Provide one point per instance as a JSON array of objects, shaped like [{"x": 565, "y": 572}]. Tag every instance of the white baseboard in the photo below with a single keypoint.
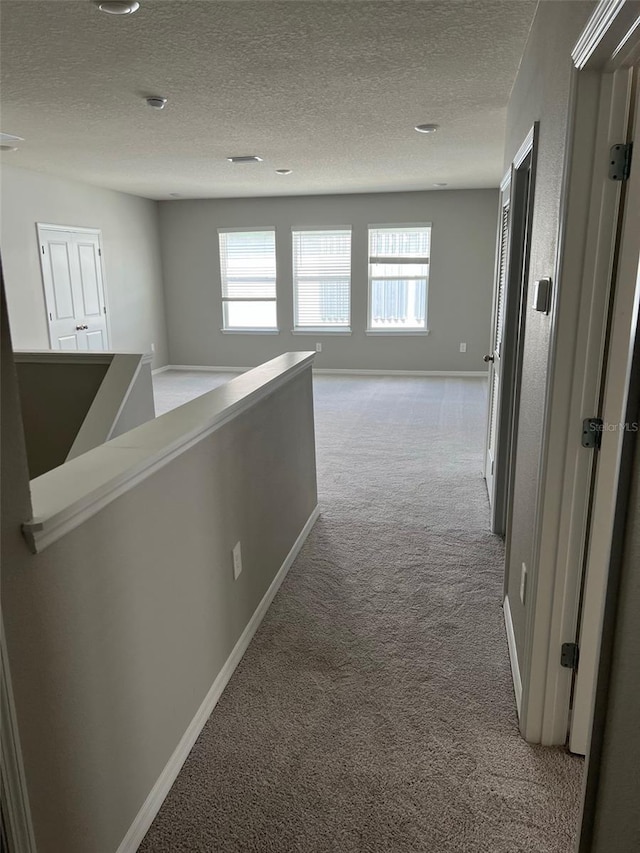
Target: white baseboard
[
  {"x": 206, "y": 368},
  {"x": 470, "y": 374},
  {"x": 513, "y": 654},
  {"x": 152, "y": 804},
  {"x": 347, "y": 371},
  {"x": 161, "y": 370}
]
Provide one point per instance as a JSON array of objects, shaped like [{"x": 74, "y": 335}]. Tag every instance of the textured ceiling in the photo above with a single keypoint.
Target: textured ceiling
[{"x": 328, "y": 88}]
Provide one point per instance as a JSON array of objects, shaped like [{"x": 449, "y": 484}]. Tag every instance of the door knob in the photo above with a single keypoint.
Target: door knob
[
  {"x": 488, "y": 358},
  {"x": 81, "y": 327}
]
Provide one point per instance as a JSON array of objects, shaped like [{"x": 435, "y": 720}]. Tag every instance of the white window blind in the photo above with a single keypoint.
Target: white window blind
[
  {"x": 322, "y": 279},
  {"x": 248, "y": 274},
  {"x": 398, "y": 277}
]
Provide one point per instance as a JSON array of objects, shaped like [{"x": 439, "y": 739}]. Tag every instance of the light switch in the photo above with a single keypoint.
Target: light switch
[{"x": 542, "y": 295}]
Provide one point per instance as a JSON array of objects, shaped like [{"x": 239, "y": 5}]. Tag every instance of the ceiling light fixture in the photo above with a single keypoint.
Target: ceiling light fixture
[
  {"x": 426, "y": 128},
  {"x": 175, "y": 195},
  {"x": 283, "y": 171},
  {"x": 118, "y": 7},
  {"x": 156, "y": 102},
  {"x": 245, "y": 158},
  {"x": 441, "y": 185}
]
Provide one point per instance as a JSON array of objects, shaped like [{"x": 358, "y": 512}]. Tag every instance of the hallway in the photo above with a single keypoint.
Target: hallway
[{"x": 373, "y": 710}]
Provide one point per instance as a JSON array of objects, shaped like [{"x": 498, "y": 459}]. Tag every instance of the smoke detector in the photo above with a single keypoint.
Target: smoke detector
[
  {"x": 283, "y": 171},
  {"x": 156, "y": 102},
  {"x": 118, "y": 7},
  {"x": 426, "y": 128}
]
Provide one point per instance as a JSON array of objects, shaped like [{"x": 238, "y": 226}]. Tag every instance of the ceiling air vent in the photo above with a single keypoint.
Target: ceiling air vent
[{"x": 245, "y": 158}]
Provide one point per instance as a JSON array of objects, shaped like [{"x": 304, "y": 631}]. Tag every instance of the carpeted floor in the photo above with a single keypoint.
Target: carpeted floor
[{"x": 374, "y": 710}]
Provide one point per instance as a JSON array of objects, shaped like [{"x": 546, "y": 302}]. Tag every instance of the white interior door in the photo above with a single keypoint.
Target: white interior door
[
  {"x": 74, "y": 288},
  {"x": 496, "y": 346},
  {"x": 614, "y": 399}
]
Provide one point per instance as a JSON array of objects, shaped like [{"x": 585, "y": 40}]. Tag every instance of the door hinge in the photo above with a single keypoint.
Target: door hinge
[
  {"x": 43, "y": 250},
  {"x": 620, "y": 161},
  {"x": 104, "y": 309},
  {"x": 99, "y": 253},
  {"x": 569, "y": 655},
  {"x": 592, "y": 433}
]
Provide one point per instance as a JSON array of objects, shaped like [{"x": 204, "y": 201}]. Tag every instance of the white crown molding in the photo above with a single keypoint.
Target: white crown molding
[{"x": 597, "y": 26}]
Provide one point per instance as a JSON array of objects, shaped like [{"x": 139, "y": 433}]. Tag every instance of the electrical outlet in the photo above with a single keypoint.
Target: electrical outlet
[
  {"x": 318, "y": 347},
  {"x": 523, "y": 583},
  {"x": 463, "y": 347},
  {"x": 153, "y": 347},
  {"x": 237, "y": 561}
]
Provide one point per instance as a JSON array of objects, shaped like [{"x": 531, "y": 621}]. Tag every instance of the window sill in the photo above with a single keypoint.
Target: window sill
[
  {"x": 397, "y": 332},
  {"x": 250, "y": 331},
  {"x": 321, "y": 331}
]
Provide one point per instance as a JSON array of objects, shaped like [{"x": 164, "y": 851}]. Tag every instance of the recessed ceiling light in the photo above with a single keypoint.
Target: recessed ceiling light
[
  {"x": 441, "y": 185},
  {"x": 156, "y": 102},
  {"x": 426, "y": 128},
  {"x": 175, "y": 195},
  {"x": 118, "y": 7},
  {"x": 283, "y": 171},
  {"x": 245, "y": 158}
]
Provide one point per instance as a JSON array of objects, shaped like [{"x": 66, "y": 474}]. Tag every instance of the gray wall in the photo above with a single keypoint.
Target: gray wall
[
  {"x": 114, "y": 638},
  {"x": 139, "y": 406},
  {"x": 55, "y": 399},
  {"x": 133, "y": 273},
  {"x": 541, "y": 92},
  {"x": 460, "y": 287},
  {"x": 616, "y": 809}
]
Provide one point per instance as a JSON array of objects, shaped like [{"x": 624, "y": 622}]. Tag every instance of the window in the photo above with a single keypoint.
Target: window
[
  {"x": 248, "y": 273},
  {"x": 398, "y": 278},
  {"x": 322, "y": 279}
]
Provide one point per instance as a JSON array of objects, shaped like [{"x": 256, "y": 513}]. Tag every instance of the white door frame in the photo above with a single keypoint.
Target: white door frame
[
  {"x": 76, "y": 229},
  {"x": 613, "y": 407},
  {"x": 589, "y": 210}
]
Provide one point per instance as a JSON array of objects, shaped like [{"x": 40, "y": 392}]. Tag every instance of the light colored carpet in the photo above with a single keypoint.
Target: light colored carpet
[
  {"x": 175, "y": 387},
  {"x": 374, "y": 710}
]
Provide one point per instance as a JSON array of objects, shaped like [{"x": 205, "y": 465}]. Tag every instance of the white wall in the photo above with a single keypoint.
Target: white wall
[
  {"x": 131, "y": 249},
  {"x": 460, "y": 287}
]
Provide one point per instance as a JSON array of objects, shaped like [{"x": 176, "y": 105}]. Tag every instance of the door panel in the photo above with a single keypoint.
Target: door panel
[
  {"x": 89, "y": 279},
  {"x": 60, "y": 270},
  {"x": 95, "y": 340},
  {"x": 68, "y": 343}
]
